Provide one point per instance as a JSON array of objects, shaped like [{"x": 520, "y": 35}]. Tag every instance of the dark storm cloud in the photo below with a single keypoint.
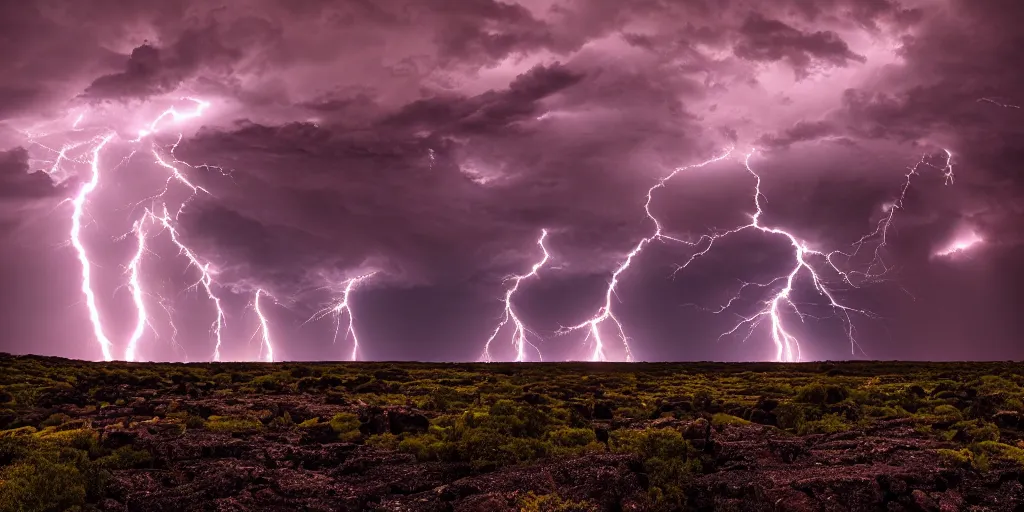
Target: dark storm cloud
[
  {"x": 802, "y": 131},
  {"x": 433, "y": 140},
  {"x": 24, "y": 194},
  {"x": 766, "y": 39},
  {"x": 484, "y": 31},
  {"x": 413, "y": 178},
  {"x": 17, "y": 182},
  {"x": 151, "y": 71}
]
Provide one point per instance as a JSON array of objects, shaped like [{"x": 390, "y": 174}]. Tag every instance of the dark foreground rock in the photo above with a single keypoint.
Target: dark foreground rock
[{"x": 755, "y": 468}]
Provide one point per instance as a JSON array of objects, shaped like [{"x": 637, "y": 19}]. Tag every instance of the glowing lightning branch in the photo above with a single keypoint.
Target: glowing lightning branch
[
  {"x": 998, "y": 103},
  {"x": 340, "y": 308},
  {"x": 165, "y": 220},
  {"x": 264, "y": 329},
  {"x": 877, "y": 268},
  {"x": 83, "y": 257},
  {"x": 519, "y": 339},
  {"x": 201, "y": 106},
  {"x": 137, "y": 294},
  {"x": 961, "y": 244},
  {"x": 205, "y": 274},
  {"x": 605, "y": 313},
  {"x": 774, "y": 308}
]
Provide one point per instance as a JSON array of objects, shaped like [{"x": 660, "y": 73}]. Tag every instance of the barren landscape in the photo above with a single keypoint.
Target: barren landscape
[{"x": 535, "y": 437}]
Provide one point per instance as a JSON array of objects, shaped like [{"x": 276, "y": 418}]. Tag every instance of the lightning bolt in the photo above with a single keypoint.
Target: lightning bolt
[
  {"x": 264, "y": 329},
  {"x": 877, "y": 268},
  {"x": 774, "y": 309},
  {"x": 519, "y": 339},
  {"x": 164, "y": 219},
  {"x": 341, "y": 307},
  {"x": 605, "y": 313},
  {"x": 137, "y": 293},
  {"x": 997, "y": 103},
  {"x": 205, "y": 277},
  {"x": 83, "y": 257}
]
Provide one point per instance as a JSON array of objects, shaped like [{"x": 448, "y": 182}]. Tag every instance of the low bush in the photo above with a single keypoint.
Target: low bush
[{"x": 232, "y": 423}]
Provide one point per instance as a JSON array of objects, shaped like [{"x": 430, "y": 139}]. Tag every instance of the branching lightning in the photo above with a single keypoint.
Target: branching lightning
[
  {"x": 519, "y": 333},
  {"x": 206, "y": 274},
  {"x": 264, "y": 328},
  {"x": 605, "y": 312},
  {"x": 877, "y": 268},
  {"x": 340, "y": 308},
  {"x": 164, "y": 219},
  {"x": 774, "y": 309}
]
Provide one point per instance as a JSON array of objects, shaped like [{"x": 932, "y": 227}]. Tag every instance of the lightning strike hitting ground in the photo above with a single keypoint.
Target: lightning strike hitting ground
[
  {"x": 137, "y": 293},
  {"x": 774, "y": 308},
  {"x": 205, "y": 278},
  {"x": 519, "y": 334},
  {"x": 165, "y": 220},
  {"x": 83, "y": 256},
  {"x": 264, "y": 329},
  {"x": 605, "y": 312},
  {"x": 340, "y": 308}
]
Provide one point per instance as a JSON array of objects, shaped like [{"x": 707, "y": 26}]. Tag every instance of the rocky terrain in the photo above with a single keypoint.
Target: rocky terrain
[{"x": 572, "y": 437}]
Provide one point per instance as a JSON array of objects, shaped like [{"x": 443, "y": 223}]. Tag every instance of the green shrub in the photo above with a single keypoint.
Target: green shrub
[
  {"x": 977, "y": 430},
  {"x": 83, "y": 439},
  {"x": 821, "y": 394},
  {"x": 948, "y": 411},
  {"x": 1001, "y": 451},
  {"x": 482, "y": 446},
  {"x": 721, "y": 419},
  {"x": 312, "y": 422},
  {"x": 17, "y": 432},
  {"x": 125, "y": 457},
  {"x": 669, "y": 460},
  {"x": 283, "y": 421},
  {"x": 55, "y": 420},
  {"x": 551, "y": 503},
  {"x": 386, "y": 440},
  {"x": 828, "y": 424},
  {"x": 194, "y": 421},
  {"x": 569, "y": 437},
  {"x": 962, "y": 457},
  {"x": 791, "y": 416},
  {"x": 504, "y": 408},
  {"x": 426, "y": 447},
  {"x": 519, "y": 449},
  {"x": 346, "y": 425},
  {"x": 233, "y": 423},
  {"x": 41, "y": 485}
]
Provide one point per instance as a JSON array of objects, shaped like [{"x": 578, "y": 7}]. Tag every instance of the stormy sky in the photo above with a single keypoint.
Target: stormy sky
[{"x": 429, "y": 142}]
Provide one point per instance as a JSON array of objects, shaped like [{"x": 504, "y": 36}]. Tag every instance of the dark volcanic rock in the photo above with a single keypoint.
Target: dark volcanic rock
[
  {"x": 1007, "y": 419},
  {"x": 7, "y": 418},
  {"x": 603, "y": 411},
  {"x": 763, "y": 417},
  {"x": 378, "y": 420},
  {"x": 403, "y": 420}
]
